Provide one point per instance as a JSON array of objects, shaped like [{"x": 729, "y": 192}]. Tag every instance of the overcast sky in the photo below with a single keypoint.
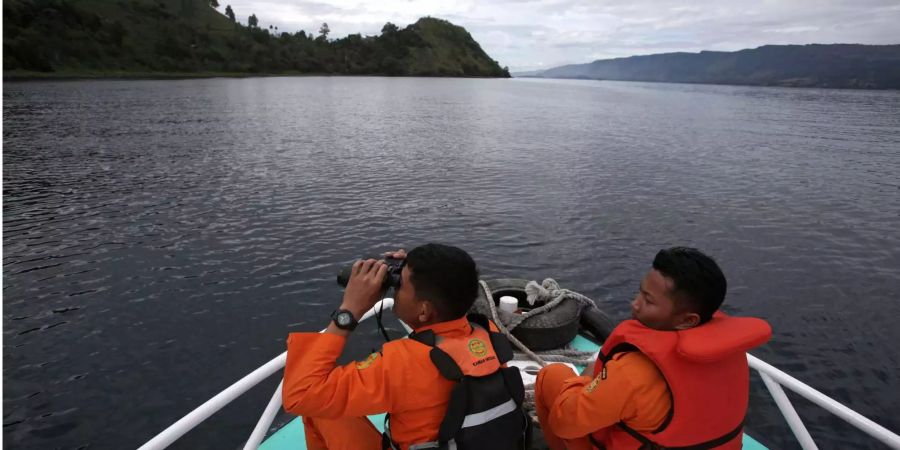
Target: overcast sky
[{"x": 535, "y": 34}]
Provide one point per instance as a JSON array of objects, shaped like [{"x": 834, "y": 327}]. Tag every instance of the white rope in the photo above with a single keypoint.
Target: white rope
[
  {"x": 549, "y": 289},
  {"x": 549, "y": 292},
  {"x": 504, "y": 329}
]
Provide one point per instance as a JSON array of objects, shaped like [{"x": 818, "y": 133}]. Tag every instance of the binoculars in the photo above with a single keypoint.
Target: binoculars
[{"x": 391, "y": 280}]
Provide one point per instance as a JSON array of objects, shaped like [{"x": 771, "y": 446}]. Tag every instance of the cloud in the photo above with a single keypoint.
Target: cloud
[{"x": 529, "y": 34}]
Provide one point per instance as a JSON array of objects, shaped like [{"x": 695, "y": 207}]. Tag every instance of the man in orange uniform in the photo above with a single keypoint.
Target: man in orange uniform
[
  {"x": 438, "y": 286},
  {"x": 674, "y": 376}
]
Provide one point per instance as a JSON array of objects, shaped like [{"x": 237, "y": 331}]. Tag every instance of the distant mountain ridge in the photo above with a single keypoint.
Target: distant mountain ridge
[
  {"x": 813, "y": 65},
  {"x": 184, "y": 37}
]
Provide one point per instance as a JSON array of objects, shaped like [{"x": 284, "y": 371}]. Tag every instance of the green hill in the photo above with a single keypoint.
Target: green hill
[
  {"x": 184, "y": 37},
  {"x": 815, "y": 65}
]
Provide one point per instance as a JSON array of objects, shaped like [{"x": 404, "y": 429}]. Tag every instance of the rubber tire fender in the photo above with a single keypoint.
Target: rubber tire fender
[
  {"x": 596, "y": 323},
  {"x": 550, "y": 330}
]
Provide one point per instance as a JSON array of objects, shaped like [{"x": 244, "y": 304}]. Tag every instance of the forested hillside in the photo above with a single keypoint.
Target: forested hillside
[
  {"x": 832, "y": 66},
  {"x": 122, "y": 37}
]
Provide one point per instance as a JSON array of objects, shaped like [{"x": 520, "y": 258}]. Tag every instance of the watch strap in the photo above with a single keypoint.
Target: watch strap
[{"x": 350, "y": 326}]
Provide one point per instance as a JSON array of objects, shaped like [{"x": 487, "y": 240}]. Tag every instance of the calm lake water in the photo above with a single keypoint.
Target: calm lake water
[{"x": 162, "y": 238}]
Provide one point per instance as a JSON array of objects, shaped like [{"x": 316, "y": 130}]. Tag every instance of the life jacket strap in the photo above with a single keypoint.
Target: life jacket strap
[
  {"x": 647, "y": 444},
  {"x": 621, "y": 348},
  {"x": 597, "y": 444},
  {"x": 426, "y": 337},
  {"x": 456, "y": 412},
  {"x": 386, "y": 442},
  {"x": 624, "y": 348},
  {"x": 502, "y": 347},
  {"x": 445, "y": 364}
]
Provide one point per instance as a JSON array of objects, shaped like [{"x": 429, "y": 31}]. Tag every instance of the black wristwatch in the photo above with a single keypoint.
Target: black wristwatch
[{"x": 344, "y": 319}]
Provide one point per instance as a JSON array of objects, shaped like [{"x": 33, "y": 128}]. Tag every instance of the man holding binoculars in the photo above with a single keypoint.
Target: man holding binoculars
[{"x": 437, "y": 286}]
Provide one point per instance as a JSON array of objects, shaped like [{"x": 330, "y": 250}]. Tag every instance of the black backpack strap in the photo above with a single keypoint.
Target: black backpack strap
[
  {"x": 456, "y": 413},
  {"x": 480, "y": 320},
  {"x": 514, "y": 384},
  {"x": 426, "y": 337},
  {"x": 502, "y": 347},
  {"x": 386, "y": 443},
  {"x": 445, "y": 364},
  {"x": 708, "y": 445}
]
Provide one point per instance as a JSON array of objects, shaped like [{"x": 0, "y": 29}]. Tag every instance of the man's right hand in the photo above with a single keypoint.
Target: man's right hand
[{"x": 589, "y": 369}]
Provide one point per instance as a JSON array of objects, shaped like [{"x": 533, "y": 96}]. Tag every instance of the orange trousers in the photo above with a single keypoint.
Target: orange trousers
[{"x": 346, "y": 433}]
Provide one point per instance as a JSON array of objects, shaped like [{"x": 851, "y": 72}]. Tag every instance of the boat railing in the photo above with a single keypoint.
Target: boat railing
[
  {"x": 220, "y": 400},
  {"x": 774, "y": 379}
]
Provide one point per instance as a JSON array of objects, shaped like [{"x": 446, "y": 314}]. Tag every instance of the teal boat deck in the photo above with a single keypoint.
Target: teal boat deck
[{"x": 291, "y": 436}]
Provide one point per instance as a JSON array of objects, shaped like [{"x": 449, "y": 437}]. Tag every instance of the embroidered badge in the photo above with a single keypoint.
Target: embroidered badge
[
  {"x": 364, "y": 364},
  {"x": 477, "y": 348},
  {"x": 590, "y": 388}
]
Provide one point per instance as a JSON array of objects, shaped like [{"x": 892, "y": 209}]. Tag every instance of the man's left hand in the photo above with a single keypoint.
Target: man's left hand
[{"x": 365, "y": 287}]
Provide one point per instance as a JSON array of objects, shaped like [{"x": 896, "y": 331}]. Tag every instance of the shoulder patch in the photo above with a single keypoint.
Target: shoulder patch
[
  {"x": 590, "y": 388},
  {"x": 364, "y": 364}
]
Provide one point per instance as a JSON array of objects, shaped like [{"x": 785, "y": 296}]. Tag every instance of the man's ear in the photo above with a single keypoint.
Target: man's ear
[
  {"x": 426, "y": 312},
  {"x": 688, "y": 320}
]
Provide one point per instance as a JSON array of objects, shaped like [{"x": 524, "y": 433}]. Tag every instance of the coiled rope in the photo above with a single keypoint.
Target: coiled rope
[{"x": 549, "y": 292}]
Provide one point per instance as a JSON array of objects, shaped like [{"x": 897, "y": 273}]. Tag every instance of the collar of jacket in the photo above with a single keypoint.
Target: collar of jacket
[{"x": 454, "y": 326}]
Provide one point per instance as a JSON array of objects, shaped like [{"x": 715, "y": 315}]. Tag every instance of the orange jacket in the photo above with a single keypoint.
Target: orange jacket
[
  {"x": 706, "y": 371},
  {"x": 401, "y": 380},
  {"x": 633, "y": 391}
]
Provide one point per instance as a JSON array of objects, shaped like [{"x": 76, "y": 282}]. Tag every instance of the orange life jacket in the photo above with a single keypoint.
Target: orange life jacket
[
  {"x": 706, "y": 370},
  {"x": 485, "y": 407}
]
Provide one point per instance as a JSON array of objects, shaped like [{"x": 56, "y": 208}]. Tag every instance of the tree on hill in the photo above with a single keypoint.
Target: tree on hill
[
  {"x": 323, "y": 32},
  {"x": 252, "y": 21},
  {"x": 229, "y": 12},
  {"x": 214, "y": 3},
  {"x": 187, "y": 8},
  {"x": 389, "y": 28},
  {"x": 117, "y": 33}
]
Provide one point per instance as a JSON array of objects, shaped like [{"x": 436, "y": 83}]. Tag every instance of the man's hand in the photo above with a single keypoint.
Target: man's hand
[
  {"x": 398, "y": 254},
  {"x": 365, "y": 286},
  {"x": 589, "y": 369}
]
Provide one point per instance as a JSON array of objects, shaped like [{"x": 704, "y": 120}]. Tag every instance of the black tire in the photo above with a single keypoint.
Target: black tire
[
  {"x": 553, "y": 329},
  {"x": 596, "y": 323}
]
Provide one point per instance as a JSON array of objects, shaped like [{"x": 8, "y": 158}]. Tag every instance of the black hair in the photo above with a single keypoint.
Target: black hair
[
  {"x": 446, "y": 276},
  {"x": 698, "y": 281}
]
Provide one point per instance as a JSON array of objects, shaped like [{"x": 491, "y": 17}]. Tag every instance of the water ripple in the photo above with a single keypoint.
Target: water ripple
[{"x": 161, "y": 238}]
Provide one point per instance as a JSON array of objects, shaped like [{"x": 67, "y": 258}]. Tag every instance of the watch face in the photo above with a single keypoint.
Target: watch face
[{"x": 343, "y": 319}]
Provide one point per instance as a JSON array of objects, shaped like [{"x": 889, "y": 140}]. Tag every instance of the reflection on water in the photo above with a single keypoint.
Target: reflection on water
[{"x": 161, "y": 238}]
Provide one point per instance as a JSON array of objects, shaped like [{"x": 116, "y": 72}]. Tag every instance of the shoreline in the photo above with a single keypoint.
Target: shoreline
[
  {"x": 18, "y": 75},
  {"x": 696, "y": 83}
]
